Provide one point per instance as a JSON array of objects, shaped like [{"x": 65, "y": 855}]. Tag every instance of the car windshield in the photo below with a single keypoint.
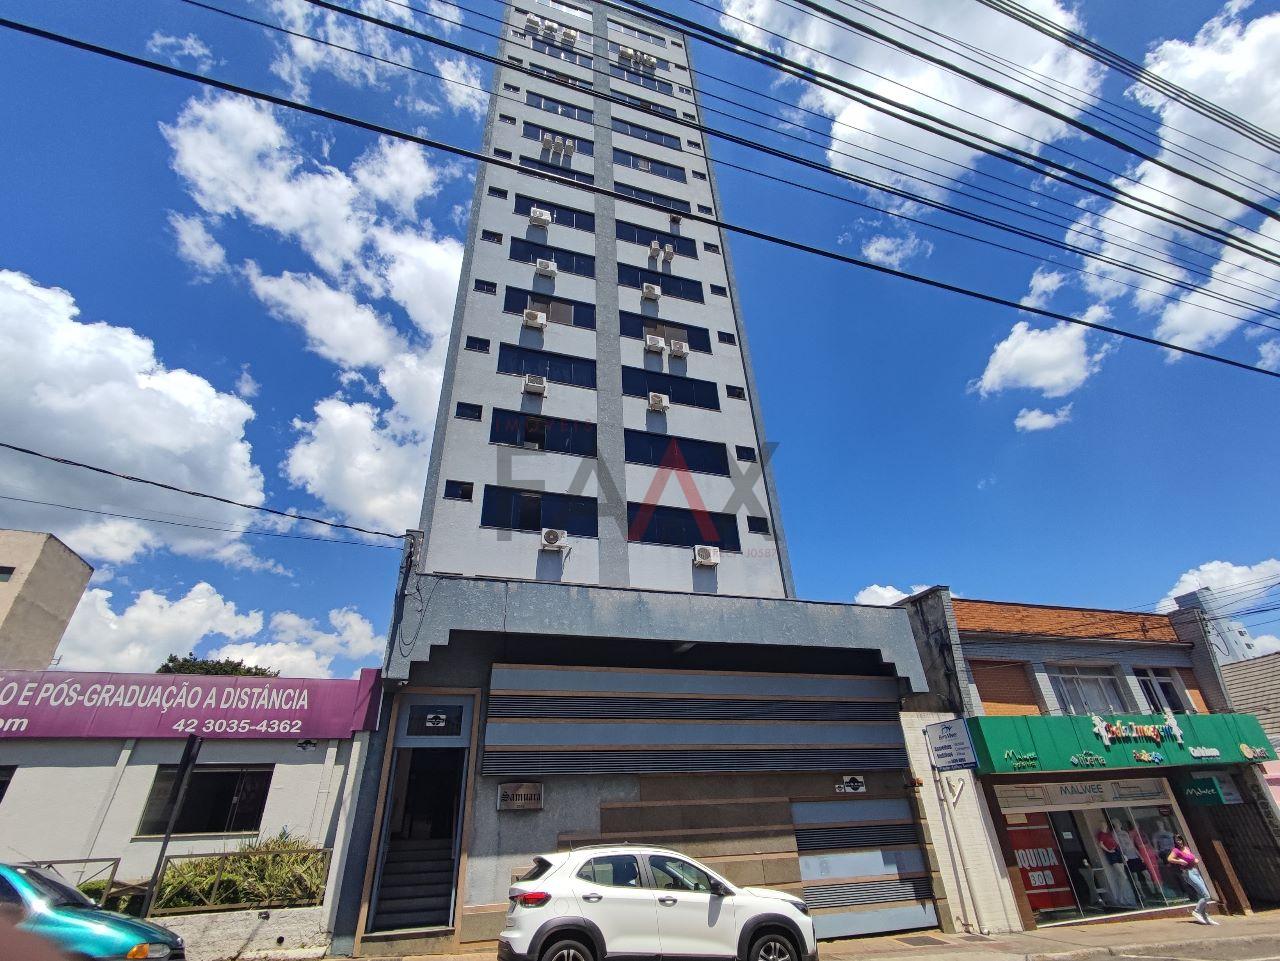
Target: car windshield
[{"x": 56, "y": 891}]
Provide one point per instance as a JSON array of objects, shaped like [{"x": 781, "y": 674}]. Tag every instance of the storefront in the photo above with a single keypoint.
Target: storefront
[{"x": 1087, "y": 807}]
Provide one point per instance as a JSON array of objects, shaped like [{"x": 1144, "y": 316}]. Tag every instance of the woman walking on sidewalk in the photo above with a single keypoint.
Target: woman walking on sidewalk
[{"x": 1184, "y": 859}]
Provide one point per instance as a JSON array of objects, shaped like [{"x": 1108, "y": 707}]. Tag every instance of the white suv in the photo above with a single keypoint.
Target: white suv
[{"x": 640, "y": 903}]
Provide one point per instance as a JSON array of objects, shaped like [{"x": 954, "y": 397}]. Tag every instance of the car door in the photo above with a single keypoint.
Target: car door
[
  {"x": 691, "y": 920},
  {"x": 613, "y": 895}
]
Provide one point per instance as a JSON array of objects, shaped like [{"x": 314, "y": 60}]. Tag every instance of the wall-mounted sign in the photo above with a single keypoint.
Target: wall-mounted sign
[
  {"x": 1077, "y": 795},
  {"x": 851, "y": 784},
  {"x": 950, "y": 745},
  {"x": 434, "y": 720},
  {"x": 1206, "y": 789},
  {"x": 1088, "y": 759},
  {"x": 1120, "y": 730},
  {"x": 520, "y": 796}
]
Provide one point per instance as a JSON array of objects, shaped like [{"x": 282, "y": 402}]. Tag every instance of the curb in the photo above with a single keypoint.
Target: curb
[{"x": 1170, "y": 947}]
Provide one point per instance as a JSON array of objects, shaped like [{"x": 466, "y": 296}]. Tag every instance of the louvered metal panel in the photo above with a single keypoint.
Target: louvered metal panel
[
  {"x": 867, "y": 892},
  {"x": 652, "y": 761},
  {"x": 626, "y": 708},
  {"x": 860, "y": 836}
]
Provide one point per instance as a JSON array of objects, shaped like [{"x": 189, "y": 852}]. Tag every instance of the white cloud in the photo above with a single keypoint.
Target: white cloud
[
  {"x": 1031, "y": 419},
  {"x": 291, "y": 660},
  {"x": 197, "y": 246},
  {"x": 175, "y": 49},
  {"x": 1054, "y": 361},
  {"x": 881, "y": 595},
  {"x": 1269, "y": 354},
  {"x": 1233, "y": 582},
  {"x": 894, "y": 251},
  {"x": 98, "y": 393},
  {"x": 466, "y": 94},
  {"x": 246, "y": 386},
  {"x": 140, "y": 637},
  {"x": 1044, "y": 284},
  {"x": 299, "y": 648}
]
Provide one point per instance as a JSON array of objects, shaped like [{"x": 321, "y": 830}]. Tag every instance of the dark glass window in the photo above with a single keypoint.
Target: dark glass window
[
  {"x": 613, "y": 870},
  {"x": 486, "y": 287},
  {"x": 645, "y": 133},
  {"x": 6, "y": 773},
  {"x": 719, "y": 291},
  {"x": 757, "y": 525},
  {"x": 699, "y": 175},
  {"x": 746, "y": 453},
  {"x": 6, "y": 574},
  {"x": 658, "y": 168},
  {"x": 501, "y": 154},
  {"x": 562, "y": 53},
  {"x": 534, "y": 131},
  {"x": 638, "y": 326},
  {"x": 672, "y": 286},
  {"x": 662, "y": 200},
  {"x": 559, "y": 310},
  {"x": 725, "y": 337},
  {"x": 638, "y": 382},
  {"x": 512, "y": 509},
  {"x": 534, "y": 432},
  {"x": 458, "y": 490},
  {"x": 537, "y": 68},
  {"x": 511, "y": 88},
  {"x": 641, "y": 104},
  {"x": 558, "y": 368},
  {"x": 681, "y": 527},
  {"x": 560, "y": 214},
  {"x": 557, "y": 106},
  {"x": 664, "y": 450},
  {"x": 689, "y": 116},
  {"x": 506, "y": 118},
  {"x": 560, "y": 170},
  {"x": 640, "y": 79},
  {"x": 491, "y": 236},
  {"x": 479, "y": 344},
  {"x": 704, "y": 209},
  {"x": 694, "y": 144},
  {"x": 570, "y": 261},
  {"x": 639, "y": 34},
  {"x": 737, "y": 393},
  {"x": 498, "y": 192},
  {"x": 465, "y": 411},
  {"x": 220, "y": 799},
  {"x": 710, "y": 248},
  {"x": 644, "y": 236}
]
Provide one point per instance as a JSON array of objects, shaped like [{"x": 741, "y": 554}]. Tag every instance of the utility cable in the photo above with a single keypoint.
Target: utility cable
[
  {"x": 443, "y": 146},
  {"x": 35, "y": 31}
]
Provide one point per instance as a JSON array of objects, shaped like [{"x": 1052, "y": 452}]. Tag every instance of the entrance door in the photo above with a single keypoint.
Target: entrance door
[{"x": 416, "y": 881}]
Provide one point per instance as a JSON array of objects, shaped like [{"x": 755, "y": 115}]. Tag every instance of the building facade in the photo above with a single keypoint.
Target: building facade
[
  {"x": 41, "y": 582},
  {"x": 1253, "y": 684},
  {"x": 1098, "y": 736},
  {"x": 597, "y": 639}
]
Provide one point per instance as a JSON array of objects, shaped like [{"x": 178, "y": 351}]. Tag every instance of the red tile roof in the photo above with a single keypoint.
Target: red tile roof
[{"x": 999, "y": 617}]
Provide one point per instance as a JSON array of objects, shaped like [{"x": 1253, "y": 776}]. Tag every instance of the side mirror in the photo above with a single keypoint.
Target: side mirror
[{"x": 720, "y": 890}]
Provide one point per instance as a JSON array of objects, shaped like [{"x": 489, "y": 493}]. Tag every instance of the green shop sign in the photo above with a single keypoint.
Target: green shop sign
[{"x": 1017, "y": 745}]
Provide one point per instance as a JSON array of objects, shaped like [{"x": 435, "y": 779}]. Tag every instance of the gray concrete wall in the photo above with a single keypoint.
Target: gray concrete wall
[
  {"x": 38, "y": 599},
  {"x": 227, "y": 935}
]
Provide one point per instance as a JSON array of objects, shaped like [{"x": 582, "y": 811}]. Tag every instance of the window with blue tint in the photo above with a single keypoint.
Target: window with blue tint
[
  {"x": 465, "y": 411},
  {"x": 645, "y": 133},
  {"x": 557, "y": 435},
  {"x": 501, "y": 154},
  {"x": 639, "y": 326},
  {"x": 615, "y": 47},
  {"x": 663, "y": 450},
  {"x": 534, "y": 131},
  {"x": 491, "y": 236},
  {"x": 704, "y": 209},
  {"x": 640, "y": 79},
  {"x": 758, "y": 525},
  {"x": 644, "y": 236},
  {"x": 641, "y": 104},
  {"x": 478, "y": 344},
  {"x": 682, "y": 288},
  {"x": 710, "y": 247},
  {"x": 557, "y": 106},
  {"x": 681, "y": 527},
  {"x": 560, "y": 170},
  {"x": 560, "y": 214},
  {"x": 746, "y": 453},
  {"x": 726, "y": 338},
  {"x": 638, "y": 382},
  {"x": 561, "y": 53},
  {"x": 513, "y": 509},
  {"x": 658, "y": 168},
  {"x": 458, "y": 490},
  {"x": 719, "y": 291},
  {"x": 559, "y": 310},
  {"x": 570, "y": 261},
  {"x": 541, "y": 71},
  {"x": 662, "y": 200},
  {"x": 486, "y": 287},
  {"x": 498, "y": 192},
  {"x": 638, "y": 34},
  {"x": 557, "y": 368},
  {"x": 737, "y": 393}
]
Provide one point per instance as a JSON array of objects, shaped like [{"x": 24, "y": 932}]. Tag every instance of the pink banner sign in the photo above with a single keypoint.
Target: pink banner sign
[{"x": 75, "y": 704}]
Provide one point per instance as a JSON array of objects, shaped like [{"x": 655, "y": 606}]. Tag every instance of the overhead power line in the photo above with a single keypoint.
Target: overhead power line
[
  {"x": 446, "y": 147},
  {"x": 154, "y": 483}
]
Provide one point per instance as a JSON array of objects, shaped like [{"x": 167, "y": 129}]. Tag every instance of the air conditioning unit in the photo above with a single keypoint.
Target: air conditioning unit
[
  {"x": 539, "y": 217},
  {"x": 654, "y": 343},
  {"x": 658, "y": 402},
  {"x": 649, "y": 291},
  {"x": 532, "y": 23},
  {"x": 706, "y": 556},
  {"x": 569, "y": 36},
  {"x": 676, "y": 218},
  {"x": 554, "y": 540},
  {"x": 570, "y": 145},
  {"x": 549, "y": 26},
  {"x": 559, "y": 143},
  {"x": 650, "y": 60},
  {"x": 669, "y": 252},
  {"x": 626, "y": 53},
  {"x": 655, "y": 248},
  {"x": 679, "y": 348},
  {"x": 535, "y": 384},
  {"x": 547, "y": 268},
  {"x": 536, "y": 319},
  {"x": 548, "y": 140}
]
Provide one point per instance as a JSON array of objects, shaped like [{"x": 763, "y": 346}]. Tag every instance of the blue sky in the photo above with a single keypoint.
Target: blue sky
[{"x": 229, "y": 297}]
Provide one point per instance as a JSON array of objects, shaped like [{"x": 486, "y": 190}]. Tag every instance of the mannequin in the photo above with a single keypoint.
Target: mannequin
[
  {"x": 1115, "y": 866},
  {"x": 1129, "y": 839}
]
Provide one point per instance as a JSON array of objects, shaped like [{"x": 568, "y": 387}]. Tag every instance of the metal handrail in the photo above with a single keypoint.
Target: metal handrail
[
  {"x": 110, "y": 867},
  {"x": 306, "y": 871}
]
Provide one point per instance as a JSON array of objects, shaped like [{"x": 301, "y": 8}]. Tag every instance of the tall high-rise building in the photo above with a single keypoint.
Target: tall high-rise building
[{"x": 598, "y": 384}]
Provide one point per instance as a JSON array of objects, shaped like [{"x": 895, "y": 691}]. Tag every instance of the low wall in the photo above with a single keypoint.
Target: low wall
[{"x": 225, "y": 935}]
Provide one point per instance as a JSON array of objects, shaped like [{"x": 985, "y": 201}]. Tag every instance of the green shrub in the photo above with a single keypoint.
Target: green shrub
[{"x": 277, "y": 871}]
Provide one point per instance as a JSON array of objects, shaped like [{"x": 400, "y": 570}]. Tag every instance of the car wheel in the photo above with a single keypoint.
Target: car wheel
[
  {"x": 567, "y": 950},
  {"x": 772, "y": 947}
]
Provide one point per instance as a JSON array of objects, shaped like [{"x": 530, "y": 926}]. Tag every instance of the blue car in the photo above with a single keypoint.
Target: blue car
[{"x": 53, "y": 909}]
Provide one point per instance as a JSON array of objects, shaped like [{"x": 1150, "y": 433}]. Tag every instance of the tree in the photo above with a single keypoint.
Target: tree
[{"x": 204, "y": 665}]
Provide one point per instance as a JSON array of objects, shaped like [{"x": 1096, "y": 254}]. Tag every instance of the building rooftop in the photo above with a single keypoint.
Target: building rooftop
[{"x": 1001, "y": 617}]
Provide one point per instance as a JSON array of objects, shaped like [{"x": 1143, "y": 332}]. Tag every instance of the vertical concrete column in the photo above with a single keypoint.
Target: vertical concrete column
[{"x": 1048, "y": 699}]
